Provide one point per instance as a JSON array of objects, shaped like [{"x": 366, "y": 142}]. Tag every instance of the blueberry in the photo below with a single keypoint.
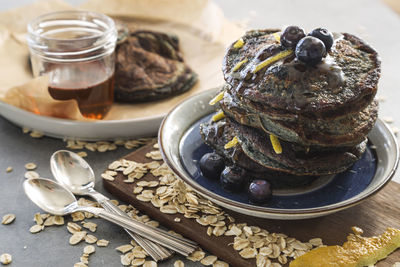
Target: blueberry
[
  {"x": 324, "y": 35},
  {"x": 310, "y": 50},
  {"x": 211, "y": 165},
  {"x": 233, "y": 178},
  {"x": 291, "y": 36},
  {"x": 259, "y": 191}
]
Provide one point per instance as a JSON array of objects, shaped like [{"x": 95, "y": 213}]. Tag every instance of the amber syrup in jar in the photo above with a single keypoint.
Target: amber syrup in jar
[
  {"x": 75, "y": 49},
  {"x": 89, "y": 86},
  {"x": 93, "y": 101}
]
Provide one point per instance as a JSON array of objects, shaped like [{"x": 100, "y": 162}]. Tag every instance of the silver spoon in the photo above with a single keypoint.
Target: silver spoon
[
  {"x": 75, "y": 173},
  {"x": 58, "y": 200},
  {"x": 72, "y": 171}
]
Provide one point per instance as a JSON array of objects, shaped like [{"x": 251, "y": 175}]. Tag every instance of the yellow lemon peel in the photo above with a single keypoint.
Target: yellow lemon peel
[
  {"x": 239, "y": 44},
  {"x": 357, "y": 251},
  {"x": 217, "y": 98},
  {"x": 273, "y": 59},
  {"x": 276, "y": 145},
  {"x": 277, "y": 37},
  {"x": 219, "y": 116},
  {"x": 231, "y": 143},
  {"x": 239, "y": 64}
]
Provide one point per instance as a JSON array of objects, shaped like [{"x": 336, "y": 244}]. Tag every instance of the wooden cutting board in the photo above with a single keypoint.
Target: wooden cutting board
[{"x": 373, "y": 216}]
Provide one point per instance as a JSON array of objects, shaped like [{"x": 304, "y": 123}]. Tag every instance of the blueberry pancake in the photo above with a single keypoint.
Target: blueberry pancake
[
  {"x": 347, "y": 129},
  {"x": 295, "y": 105},
  {"x": 217, "y": 134},
  {"x": 255, "y": 154},
  {"x": 346, "y": 77}
]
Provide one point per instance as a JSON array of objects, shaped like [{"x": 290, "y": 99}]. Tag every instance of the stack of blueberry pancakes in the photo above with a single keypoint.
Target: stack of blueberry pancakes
[{"x": 295, "y": 105}]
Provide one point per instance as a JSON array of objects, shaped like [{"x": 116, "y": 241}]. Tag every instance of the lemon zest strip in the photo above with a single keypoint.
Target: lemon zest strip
[
  {"x": 231, "y": 143},
  {"x": 239, "y": 64},
  {"x": 277, "y": 37},
  {"x": 273, "y": 59},
  {"x": 219, "y": 116},
  {"x": 276, "y": 145},
  {"x": 239, "y": 44},
  {"x": 217, "y": 98}
]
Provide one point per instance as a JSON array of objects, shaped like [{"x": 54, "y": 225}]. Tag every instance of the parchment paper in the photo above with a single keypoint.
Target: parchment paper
[
  {"x": 394, "y": 4},
  {"x": 200, "y": 25}
]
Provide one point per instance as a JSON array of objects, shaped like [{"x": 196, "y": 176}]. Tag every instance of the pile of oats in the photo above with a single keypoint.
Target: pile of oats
[
  {"x": 44, "y": 220},
  {"x": 103, "y": 146},
  {"x": 200, "y": 256},
  {"x": 133, "y": 255},
  {"x": 78, "y": 234},
  {"x": 172, "y": 196},
  {"x": 81, "y": 230},
  {"x": 32, "y": 133},
  {"x": 99, "y": 146}
]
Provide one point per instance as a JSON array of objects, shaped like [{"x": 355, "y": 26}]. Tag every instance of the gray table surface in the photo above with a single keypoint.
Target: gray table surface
[{"x": 370, "y": 19}]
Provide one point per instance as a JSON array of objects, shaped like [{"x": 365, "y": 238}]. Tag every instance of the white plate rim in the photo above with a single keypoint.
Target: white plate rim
[
  {"x": 170, "y": 152},
  {"x": 82, "y": 130}
]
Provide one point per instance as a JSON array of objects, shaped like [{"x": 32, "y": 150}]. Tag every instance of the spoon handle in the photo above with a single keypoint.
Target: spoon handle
[
  {"x": 156, "y": 251},
  {"x": 180, "y": 245},
  {"x": 108, "y": 205}
]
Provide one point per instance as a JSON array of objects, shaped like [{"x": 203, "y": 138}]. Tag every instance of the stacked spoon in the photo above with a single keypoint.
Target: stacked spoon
[{"x": 75, "y": 176}]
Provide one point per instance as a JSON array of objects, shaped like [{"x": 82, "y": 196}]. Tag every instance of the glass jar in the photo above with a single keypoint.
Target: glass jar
[{"x": 76, "y": 50}]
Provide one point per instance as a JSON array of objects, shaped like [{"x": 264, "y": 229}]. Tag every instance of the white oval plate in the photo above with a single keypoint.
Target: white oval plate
[
  {"x": 203, "y": 49},
  {"x": 177, "y": 123},
  {"x": 89, "y": 131}
]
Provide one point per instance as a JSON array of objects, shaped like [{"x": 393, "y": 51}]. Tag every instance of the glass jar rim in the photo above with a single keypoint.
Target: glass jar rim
[
  {"x": 71, "y": 36},
  {"x": 36, "y": 21}
]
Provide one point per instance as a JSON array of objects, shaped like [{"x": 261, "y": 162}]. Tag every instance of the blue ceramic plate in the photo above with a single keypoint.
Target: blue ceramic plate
[{"x": 182, "y": 148}]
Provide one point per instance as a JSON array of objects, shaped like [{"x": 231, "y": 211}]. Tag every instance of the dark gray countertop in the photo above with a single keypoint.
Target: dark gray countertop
[
  {"x": 370, "y": 19},
  {"x": 49, "y": 247}
]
